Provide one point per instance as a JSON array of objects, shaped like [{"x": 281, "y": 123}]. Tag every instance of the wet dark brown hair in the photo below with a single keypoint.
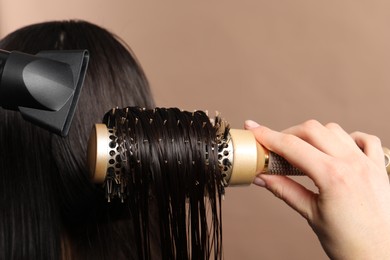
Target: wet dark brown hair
[{"x": 172, "y": 156}]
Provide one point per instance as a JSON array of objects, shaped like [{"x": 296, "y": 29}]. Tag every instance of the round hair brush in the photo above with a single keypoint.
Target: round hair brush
[{"x": 135, "y": 141}]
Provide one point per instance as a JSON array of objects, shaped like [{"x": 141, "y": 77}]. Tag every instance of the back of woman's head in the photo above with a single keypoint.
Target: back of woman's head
[{"x": 44, "y": 179}]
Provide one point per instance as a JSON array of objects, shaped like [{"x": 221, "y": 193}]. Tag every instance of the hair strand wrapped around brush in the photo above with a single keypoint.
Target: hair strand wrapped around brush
[{"x": 172, "y": 155}]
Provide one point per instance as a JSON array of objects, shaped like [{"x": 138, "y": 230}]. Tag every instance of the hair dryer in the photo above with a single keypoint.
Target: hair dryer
[{"x": 45, "y": 87}]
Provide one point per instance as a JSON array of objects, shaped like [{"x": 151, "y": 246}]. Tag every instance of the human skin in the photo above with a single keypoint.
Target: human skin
[{"x": 350, "y": 213}]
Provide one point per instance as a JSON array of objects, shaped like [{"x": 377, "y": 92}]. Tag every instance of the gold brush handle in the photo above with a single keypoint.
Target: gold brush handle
[{"x": 250, "y": 158}]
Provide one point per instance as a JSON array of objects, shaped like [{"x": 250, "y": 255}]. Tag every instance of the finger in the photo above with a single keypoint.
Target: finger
[
  {"x": 337, "y": 130},
  {"x": 250, "y": 124},
  {"x": 296, "y": 151},
  {"x": 331, "y": 138},
  {"x": 292, "y": 193},
  {"x": 371, "y": 146}
]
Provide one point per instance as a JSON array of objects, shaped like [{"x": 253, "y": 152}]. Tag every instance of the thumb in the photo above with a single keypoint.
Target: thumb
[{"x": 291, "y": 192}]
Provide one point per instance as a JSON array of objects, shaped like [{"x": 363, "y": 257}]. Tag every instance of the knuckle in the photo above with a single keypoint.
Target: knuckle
[
  {"x": 333, "y": 125},
  {"x": 289, "y": 140},
  {"x": 337, "y": 171},
  {"x": 278, "y": 191},
  {"x": 311, "y": 125},
  {"x": 367, "y": 138},
  {"x": 374, "y": 139}
]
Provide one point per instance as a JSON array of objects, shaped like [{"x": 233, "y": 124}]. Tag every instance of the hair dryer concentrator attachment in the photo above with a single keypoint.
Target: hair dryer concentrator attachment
[
  {"x": 240, "y": 156},
  {"x": 45, "y": 87}
]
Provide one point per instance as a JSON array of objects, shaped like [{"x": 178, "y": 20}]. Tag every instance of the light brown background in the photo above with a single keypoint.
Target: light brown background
[{"x": 278, "y": 62}]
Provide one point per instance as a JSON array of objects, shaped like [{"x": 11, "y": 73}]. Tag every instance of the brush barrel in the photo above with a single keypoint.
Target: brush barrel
[{"x": 247, "y": 157}]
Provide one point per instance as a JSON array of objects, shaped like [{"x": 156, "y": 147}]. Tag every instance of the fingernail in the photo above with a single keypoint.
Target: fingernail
[
  {"x": 259, "y": 182},
  {"x": 251, "y": 124}
]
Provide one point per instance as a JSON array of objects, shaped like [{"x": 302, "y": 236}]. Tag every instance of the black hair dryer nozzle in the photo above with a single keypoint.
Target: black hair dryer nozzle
[{"x": 45, "y": 87}]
